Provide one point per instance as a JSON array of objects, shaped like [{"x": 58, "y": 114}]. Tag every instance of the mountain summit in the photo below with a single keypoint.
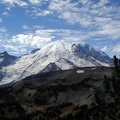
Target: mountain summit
[
  {"x": 55, "y": 56},
  {"x": 6, "y": 59}
]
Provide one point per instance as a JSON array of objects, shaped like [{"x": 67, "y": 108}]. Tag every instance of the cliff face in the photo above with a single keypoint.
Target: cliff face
[{"x": 6, "y": 59}]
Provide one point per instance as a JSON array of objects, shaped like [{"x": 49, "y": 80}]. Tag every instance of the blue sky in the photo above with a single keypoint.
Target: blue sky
[{"x": 29, "y": 24}]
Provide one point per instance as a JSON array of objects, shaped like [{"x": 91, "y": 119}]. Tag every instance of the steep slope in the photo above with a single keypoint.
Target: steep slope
[
  {"x": 54, "y": 56},
  {"x": 55, "y": 95},
  {"x": 6, "y": 59}
]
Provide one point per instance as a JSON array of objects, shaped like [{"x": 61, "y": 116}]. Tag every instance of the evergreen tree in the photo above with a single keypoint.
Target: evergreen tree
[
  {"x": 97, "y": 99},
  {"x": 116, "y": 64},
  {"x": 117, "y": 71},
  {"x": 106, "y": 81}
]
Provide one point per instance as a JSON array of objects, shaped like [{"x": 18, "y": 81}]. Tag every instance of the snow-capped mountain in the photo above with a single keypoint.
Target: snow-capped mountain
[
  {"x": 54, "y": 56},
  {"x": 6, "y": 59}
]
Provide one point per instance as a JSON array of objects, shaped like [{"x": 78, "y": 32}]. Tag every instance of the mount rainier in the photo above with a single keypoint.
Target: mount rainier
[{"x": 55, "y": 56}]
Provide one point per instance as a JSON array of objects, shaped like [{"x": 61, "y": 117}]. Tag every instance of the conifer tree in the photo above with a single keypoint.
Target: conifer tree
[
  {"x": 97, "y": 99},
  {"x": 116, "y": 64},
  {"x": 106, "y": 81},
  {"x": 117, "y": 67}
]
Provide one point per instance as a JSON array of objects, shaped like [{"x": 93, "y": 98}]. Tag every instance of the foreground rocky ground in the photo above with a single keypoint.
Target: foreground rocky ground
[{"x": 78, "y": 94}]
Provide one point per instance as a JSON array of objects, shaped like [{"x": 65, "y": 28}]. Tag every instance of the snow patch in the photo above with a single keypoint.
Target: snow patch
[
  {"x": 1, "y": 55},
  {"x": 1, "y": 59},
  {"x": 80, "y": 71},
  {"x": 93, "y": 68}
]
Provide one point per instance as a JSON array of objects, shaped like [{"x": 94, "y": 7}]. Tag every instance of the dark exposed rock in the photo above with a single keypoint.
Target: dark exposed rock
[{"x": 6, "y": 59}]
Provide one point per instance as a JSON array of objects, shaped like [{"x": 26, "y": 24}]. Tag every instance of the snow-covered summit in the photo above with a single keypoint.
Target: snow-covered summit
[{"x": 57, "y": 55}]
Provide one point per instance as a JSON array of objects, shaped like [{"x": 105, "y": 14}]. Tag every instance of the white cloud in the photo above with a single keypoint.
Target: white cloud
[
  {"x": 35, "y": 2},
  {"x": 44, "y": 32},
  {"x": 14, "y": 2},
  {"x": 25, "y": 27},
  {"x": 114, "y": 50},
  {"x": 117, "y": 48},
  {"x": 43, "y": 13},
  {"x": 10, "y": 47},
  {"x": 96, "y": 16},
  {"x": 37, "y": 12},
  {"x": 16, "y": 50},
  {"x": 1, "y": 20},
  {"x": 97, "y": 20},
  {"x": 42, "y": 37},
  {"x": 101, "y": 3},
  {"x": 83, "y": 2},
  {"x": 38, "y": 27},
  {"x": 5, "y": 13},
  {"x": 71, "y": 12},
  {"x": 104, "y": 49},
  {"x": 112, "y": 29},
  {"x": 31, "y": 40},
  {"x": 3, "y": 30}
]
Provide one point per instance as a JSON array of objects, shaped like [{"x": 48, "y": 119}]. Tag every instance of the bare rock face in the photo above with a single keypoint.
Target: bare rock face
[
  {"x": 75, "y": 49},
  {"x": 6, "y": 59},
  {"x": 50, "y": 67}
]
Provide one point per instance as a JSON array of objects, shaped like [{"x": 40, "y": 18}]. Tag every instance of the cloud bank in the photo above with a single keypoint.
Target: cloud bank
[{"x": 92, "y": 21}]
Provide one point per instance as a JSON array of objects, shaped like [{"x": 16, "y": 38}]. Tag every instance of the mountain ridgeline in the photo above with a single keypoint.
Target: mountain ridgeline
[
  {"x": 52, "y": 57},
  {"x": 6, "y": 59}
]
